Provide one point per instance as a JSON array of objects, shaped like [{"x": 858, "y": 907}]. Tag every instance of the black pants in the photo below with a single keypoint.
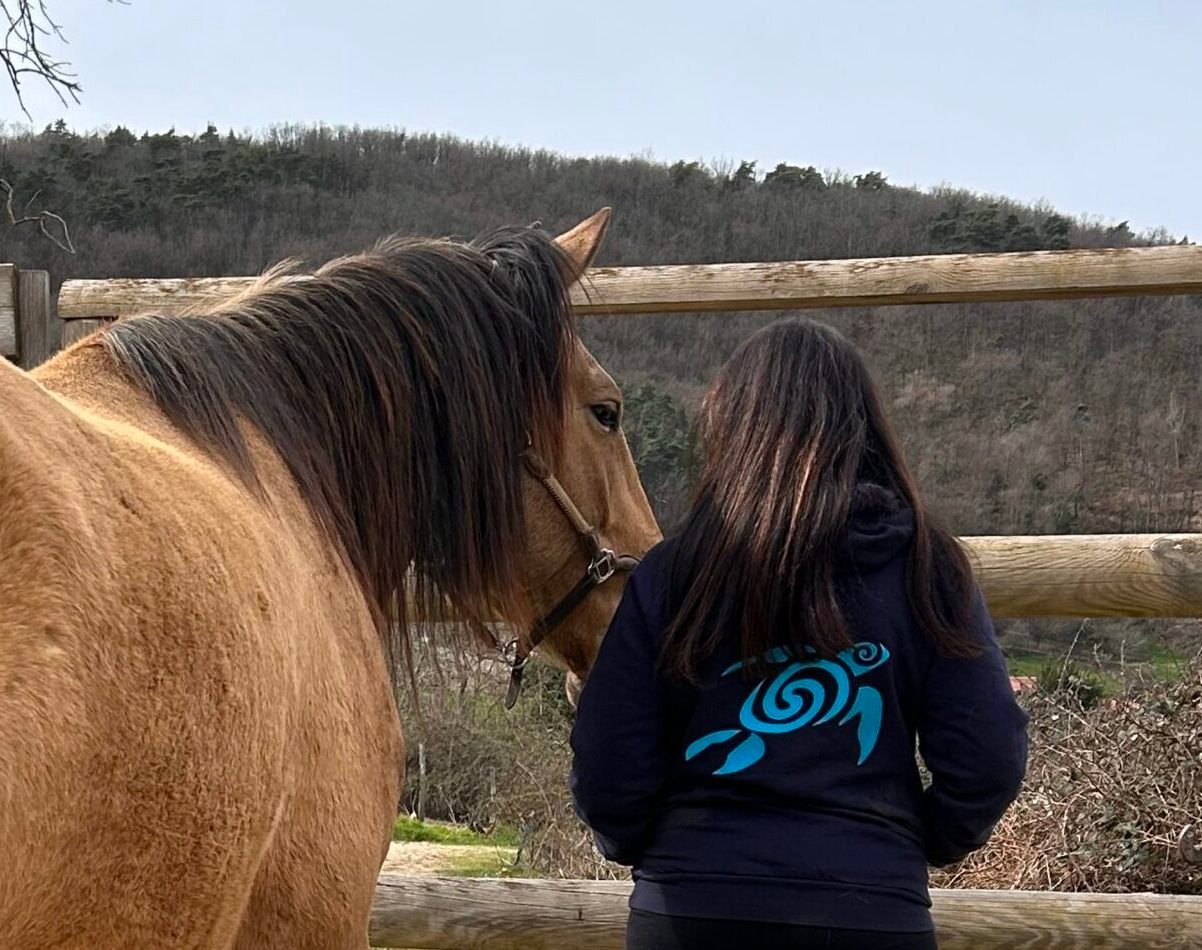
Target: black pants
[{"x": 648, "y": 931}]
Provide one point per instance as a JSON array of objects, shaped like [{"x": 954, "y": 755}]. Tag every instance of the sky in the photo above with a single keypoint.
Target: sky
[{"x": 1089, "y": 105}]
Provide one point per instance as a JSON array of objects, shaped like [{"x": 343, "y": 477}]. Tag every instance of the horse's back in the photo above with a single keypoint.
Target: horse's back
[{"x": 171, "y": 698}]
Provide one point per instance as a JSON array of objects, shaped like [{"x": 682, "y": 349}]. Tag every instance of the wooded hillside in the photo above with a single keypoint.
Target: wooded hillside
[{"x": 1051, "y": 417}]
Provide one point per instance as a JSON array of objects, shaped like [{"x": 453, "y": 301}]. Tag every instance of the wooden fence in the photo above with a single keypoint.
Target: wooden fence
[
  {"x": 29, "y": 330},
  {"x": 790, "y": 285},
  {"x": 459, "y": 914},
  {"x": 1078, "y": 575},
  {"x": 1068, "y": 576}
]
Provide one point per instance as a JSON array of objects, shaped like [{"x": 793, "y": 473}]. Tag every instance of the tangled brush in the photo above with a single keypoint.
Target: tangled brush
[{"x": 1110, "y": 787}]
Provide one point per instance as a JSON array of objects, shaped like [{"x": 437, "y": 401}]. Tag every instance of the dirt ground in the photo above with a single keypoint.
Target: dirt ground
[{"x": 426, "y": 859}]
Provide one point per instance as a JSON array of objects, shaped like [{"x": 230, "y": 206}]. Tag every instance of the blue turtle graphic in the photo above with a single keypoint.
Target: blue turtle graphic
[{"x": 809, "y": 691}]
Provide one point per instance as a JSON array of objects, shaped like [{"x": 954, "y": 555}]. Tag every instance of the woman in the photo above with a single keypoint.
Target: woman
[{"x": 746, "y": 739}]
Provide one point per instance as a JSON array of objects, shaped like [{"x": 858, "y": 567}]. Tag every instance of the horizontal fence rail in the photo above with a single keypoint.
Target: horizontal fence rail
[
  {"x": 458, "y": 914},
  {"x": 1090, "y": 575},
  {"x": 867, "y": 282},
  {"x": 1062, "y": 576},
  {"x": 1078, "y": 575}
]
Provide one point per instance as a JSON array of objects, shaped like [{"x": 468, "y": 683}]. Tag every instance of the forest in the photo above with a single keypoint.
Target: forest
[{"x": 1026, "y": 418}]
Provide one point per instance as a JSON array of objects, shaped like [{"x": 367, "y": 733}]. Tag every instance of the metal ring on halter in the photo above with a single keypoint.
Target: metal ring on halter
[{"x": 603, "y": 565}]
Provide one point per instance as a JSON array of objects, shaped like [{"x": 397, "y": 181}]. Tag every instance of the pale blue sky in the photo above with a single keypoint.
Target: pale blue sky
[{"x": 1092, "y": 106}]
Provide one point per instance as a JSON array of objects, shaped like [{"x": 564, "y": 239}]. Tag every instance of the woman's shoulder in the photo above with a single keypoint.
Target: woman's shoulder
[
  {"x": 658, "y": 557},
  {"x": 652, "y": 580},
  {"x": 654, "y": 569}
]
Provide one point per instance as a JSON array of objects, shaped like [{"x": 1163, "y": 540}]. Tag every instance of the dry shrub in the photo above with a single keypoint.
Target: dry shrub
[
  {"x": 487, "y": 767},
  {"x": 1108, "y": 791}
]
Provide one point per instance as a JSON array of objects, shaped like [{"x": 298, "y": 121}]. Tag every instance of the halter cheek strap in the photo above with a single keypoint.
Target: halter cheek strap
[{"x": 603, "y": 565}]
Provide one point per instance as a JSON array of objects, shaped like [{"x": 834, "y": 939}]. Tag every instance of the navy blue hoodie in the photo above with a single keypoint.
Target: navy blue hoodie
[{"x": 797, "y": 797}]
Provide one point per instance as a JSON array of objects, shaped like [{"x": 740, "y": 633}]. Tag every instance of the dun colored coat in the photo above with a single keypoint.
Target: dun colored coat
[{"x": 206, "y": 523}]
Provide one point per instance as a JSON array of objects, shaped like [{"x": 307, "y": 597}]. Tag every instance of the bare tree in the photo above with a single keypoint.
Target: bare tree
[{"x": 28, "y": 30}]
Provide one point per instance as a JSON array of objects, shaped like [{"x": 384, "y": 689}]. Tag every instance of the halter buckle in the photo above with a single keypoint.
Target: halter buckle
[{"x": 603, "y": 566}]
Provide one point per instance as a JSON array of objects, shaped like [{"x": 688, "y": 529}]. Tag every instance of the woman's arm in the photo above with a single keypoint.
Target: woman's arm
[
  {"x": 972, "y": 736},
  {"x": 620, "y": 763}
]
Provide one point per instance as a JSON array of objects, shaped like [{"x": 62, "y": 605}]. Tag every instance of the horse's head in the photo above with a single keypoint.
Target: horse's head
[
  {"x": 409, "y": 391},
  {"x": 598, "y": 475}
]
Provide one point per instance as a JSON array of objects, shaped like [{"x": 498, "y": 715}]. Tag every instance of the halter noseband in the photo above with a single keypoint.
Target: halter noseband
[{"x": 603, "y": 564}]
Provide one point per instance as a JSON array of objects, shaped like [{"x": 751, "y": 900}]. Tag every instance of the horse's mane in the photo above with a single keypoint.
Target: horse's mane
[{"x": 400, "y": 387}]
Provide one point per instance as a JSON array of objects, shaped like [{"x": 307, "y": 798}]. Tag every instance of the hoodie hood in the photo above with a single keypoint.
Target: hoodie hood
[{"x": 880, "y": 528}]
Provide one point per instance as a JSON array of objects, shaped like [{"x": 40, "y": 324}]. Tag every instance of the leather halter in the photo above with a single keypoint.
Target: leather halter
[{"x": 603, "y": 564}]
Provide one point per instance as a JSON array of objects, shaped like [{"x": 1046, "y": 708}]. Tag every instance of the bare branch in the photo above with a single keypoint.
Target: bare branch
[
  {"x": 27, "y": 25},
  {"x": 40, "y": 218}
]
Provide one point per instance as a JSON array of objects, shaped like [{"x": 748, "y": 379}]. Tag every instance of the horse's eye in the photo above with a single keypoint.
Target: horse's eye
[{"x": 608, "y": 414}]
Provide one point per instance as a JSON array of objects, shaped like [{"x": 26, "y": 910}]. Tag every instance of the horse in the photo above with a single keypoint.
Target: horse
[{"x": 208, "y": 523}]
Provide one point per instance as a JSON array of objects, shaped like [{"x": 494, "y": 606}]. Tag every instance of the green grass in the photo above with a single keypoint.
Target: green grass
[
  {"x": 1162, "y": 663},
  {"x": 1028, "y": 665},
  {"x": 497, "y": 864},
  {"x": 1166, "y": 664},
  {"x": 407, "y": 828},
  {"x": 1033, "y": 665}
]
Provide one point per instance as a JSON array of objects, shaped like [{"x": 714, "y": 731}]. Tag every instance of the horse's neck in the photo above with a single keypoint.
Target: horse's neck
[
  {"x": 86, "y": 377},
  {"x": 90, "y": 384}
]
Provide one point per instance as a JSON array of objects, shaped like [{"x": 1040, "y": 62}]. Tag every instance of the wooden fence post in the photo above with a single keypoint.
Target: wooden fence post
[
  {"x": 8, "y": 311},
  {"x": 28, "y": 326},
  {"x": 39, "y": 330}
]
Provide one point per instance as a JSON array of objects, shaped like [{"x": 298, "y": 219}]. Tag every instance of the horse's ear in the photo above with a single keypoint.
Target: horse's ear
[{"x": 581, "y": 243}]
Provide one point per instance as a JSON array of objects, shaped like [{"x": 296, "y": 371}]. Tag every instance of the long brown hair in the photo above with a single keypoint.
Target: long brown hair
[
  {"x": 400, "y": 387},
  {"x": 790, "y": 428}
]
